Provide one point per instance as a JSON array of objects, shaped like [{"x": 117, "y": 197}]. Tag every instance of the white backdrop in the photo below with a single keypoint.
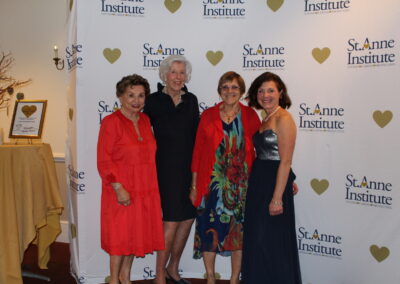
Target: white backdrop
[{"x": 339, "y": 60}]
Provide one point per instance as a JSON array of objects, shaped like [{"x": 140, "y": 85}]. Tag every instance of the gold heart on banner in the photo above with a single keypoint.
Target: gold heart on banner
[
  {"x": 320, "y": 55},
  {"x": 216, "y": 275},
  {"x": 73, "y": 230},
  {"x": 70, "y": 114},
  {"x": 319, "y": 186},
  {"x": 111, "y": 55},
  {"x": 380, "y": 254},
  {"x": 274, "y": 5},
  {"x": 172, "y": 5},
  {"x": 214, "y": 57},
  {"x": 382, "y": 118},
  {"x": 28, "y": 110}
]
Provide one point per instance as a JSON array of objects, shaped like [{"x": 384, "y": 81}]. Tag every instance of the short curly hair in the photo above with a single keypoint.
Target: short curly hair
[
  {"x": 229, "y": 77},
  {"x": 132, "y": 80},
  {"x": 166, "y": 65},
  {"x": 284, "y": 99}
]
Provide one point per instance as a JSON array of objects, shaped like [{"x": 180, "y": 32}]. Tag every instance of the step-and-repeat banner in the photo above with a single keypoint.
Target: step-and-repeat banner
[{"x": 340, "y": 61}]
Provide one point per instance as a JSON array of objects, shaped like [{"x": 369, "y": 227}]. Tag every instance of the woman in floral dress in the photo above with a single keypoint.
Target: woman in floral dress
[{"x": 221, "y": 163}]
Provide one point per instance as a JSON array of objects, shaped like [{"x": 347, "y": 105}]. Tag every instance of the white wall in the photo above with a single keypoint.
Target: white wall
[{"x": 29, "y": 30}]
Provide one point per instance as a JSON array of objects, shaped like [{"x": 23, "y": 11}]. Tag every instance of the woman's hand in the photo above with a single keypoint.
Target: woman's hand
[
  {"x": 123, "y": 196},
  {"x": 193, "y": 194},
  {"x": 295, "y": 188},
  {"x": 275, "y": 207}
]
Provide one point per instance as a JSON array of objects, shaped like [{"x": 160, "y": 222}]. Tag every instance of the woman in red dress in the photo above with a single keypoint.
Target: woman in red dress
[{"x": 131, "y": 223}]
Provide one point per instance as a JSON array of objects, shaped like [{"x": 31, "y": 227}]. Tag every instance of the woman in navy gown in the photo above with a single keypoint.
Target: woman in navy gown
[{"x": 270, "y": 252}]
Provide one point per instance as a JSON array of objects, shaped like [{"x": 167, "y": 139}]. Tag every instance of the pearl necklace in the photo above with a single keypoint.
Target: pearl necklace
[{"x": 271, "y": 114}]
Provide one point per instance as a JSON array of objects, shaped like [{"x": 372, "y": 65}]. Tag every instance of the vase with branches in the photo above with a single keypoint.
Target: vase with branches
[{"x": 7, "y": 83}]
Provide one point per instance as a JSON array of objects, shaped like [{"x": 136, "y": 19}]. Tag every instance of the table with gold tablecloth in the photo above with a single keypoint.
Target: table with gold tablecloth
[{"x": 30, "y": 206}]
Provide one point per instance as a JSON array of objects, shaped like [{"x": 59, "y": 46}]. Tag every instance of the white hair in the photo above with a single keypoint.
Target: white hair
[{"x": 165, "y": 66}]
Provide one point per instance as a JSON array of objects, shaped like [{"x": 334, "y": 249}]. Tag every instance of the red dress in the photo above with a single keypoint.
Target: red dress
[{"x": 121, "y": 157}]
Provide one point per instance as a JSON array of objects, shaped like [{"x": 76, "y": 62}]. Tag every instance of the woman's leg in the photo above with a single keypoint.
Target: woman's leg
[
  {"x": 115, "y": 267},
  {"x": 178, "y": 245},
  {"x": 125, "y": 271},
  {"x": 236, "y": 262},
  {"x": 209, "y": 263},
  {"x": 170, "y": 229}
]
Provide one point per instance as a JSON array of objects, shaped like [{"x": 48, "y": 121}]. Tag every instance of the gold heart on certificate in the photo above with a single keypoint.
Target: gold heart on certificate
[{"x": 28, "y": 110}]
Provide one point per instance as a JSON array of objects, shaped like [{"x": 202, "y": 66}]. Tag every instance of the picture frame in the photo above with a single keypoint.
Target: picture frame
[{"x": 28, "y": 118}]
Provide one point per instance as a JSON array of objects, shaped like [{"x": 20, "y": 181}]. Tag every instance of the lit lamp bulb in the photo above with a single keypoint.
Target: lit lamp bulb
[{"x": 56, "y": 51}]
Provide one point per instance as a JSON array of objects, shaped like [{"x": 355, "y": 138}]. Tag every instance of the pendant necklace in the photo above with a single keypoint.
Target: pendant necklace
[{"x": 135, "y": 124}]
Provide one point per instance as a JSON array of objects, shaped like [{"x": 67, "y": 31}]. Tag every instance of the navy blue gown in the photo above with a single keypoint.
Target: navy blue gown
[{"x": 270, "y": 254}]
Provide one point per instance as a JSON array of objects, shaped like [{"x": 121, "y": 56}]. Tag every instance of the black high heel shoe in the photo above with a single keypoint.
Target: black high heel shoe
[{"x": 180, "y": 281}]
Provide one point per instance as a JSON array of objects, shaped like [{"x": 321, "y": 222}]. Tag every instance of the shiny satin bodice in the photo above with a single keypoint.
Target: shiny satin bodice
[{"x": 266, "y": 144}]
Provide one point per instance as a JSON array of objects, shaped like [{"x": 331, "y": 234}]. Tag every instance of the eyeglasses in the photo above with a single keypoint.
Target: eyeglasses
[{"x": 226, "y": 88}]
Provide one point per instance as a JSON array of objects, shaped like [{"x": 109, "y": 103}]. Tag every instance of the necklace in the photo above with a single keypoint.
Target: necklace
[
  {"x": 135, "y": 123},
  {"x": 231, "y": 116},
  {"x": 271, "y": 114},
  {"x": 176, "y": 99}
]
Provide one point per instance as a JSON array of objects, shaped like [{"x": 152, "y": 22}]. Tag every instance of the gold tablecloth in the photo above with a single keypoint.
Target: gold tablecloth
[{"x": 30, "y": 206}]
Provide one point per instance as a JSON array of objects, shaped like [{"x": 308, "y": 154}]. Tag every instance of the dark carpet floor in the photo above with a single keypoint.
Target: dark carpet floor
[{"x": 59, "y": 267}]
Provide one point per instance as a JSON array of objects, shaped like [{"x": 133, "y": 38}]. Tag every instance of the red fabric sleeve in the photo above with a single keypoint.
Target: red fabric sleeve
[{"x": 107, "y": 138}]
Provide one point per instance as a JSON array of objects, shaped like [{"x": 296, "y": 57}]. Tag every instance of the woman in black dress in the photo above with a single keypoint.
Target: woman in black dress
[
  {"x": 174, "y": 115},
  {"x": 270, "y": 254}
]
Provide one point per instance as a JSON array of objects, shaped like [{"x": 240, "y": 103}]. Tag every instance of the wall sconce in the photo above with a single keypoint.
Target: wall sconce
[{"x": 57, "y": 60}]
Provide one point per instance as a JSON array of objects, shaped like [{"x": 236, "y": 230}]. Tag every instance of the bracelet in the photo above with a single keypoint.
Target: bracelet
[
  {"x": 116, "y": 186},
  {"x": 193, "y": 187},
  {"x": 276, "y": 202}
]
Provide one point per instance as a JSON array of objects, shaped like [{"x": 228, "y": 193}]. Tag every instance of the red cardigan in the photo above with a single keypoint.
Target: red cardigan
[{"x": 209, "y": 136}]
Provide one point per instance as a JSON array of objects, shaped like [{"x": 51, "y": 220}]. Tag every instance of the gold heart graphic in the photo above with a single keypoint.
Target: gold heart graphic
[
  {"x": 216, "y": 275},
  {"x": 111, "y": 55},
  {"x": 321, "y": 54},
  {"x": 319, "y": 186},
  {"x": 274, "y": 5},
  {"x": 172, "y": 5},
  {"x": 70, "y": 113},
  {"x": 73, "y": 230},
  {"x": 214, "y": 57},
  {"x": 382, "y": 119},
  {"x": 29, "y": 110},
  {"x": 380, "y": 254}
]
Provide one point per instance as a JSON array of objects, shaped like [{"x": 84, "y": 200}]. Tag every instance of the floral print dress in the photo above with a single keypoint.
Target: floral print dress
[{"x": 221, "y": 212}]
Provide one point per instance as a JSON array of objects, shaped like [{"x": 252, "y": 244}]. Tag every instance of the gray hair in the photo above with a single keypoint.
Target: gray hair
[{"x": 165, "y": 66}]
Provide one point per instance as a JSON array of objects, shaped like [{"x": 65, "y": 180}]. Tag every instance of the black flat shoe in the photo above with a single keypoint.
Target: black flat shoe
[{"x": 180, "y": 281}]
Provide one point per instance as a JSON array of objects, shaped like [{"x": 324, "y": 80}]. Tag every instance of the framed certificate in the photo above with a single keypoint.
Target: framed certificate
[{"x": 28, "y": 118}]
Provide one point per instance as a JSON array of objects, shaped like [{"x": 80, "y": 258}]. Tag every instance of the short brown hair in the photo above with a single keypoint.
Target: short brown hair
[
  {"x": 284, "y": 99},
  {"x": 132, "y": 80},
  {"x": 229, "y": 77}
]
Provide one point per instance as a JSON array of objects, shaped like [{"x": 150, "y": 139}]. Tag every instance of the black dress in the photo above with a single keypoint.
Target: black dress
[
  {"x": 175, "y": 132},
  {"x": 270, "y": 254}
]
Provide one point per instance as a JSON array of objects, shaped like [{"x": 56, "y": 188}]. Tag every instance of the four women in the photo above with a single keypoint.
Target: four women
[{"x": 222, "y": 159}]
